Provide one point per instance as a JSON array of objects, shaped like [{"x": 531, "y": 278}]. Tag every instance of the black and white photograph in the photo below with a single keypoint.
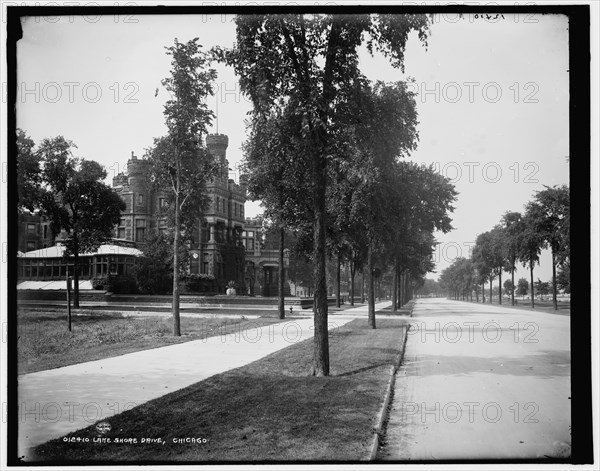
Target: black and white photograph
[{"x": 331, "y": 235}]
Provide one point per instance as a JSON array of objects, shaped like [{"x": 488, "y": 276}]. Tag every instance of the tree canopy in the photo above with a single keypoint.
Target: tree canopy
[
  {"x": 73, "y": 196},
  {"x": 28, "y": 173}
]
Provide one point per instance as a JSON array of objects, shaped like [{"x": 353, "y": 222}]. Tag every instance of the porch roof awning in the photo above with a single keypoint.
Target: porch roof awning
[{"x": 57, "y": 251}]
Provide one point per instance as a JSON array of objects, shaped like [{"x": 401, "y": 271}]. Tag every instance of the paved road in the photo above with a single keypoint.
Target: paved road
[
  {"x": 481, "y": 382},
  {"x": 55, "y": 402}
]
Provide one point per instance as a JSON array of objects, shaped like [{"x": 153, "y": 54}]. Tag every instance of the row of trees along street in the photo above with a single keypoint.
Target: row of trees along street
[
  {"x": 324, "y": 148},
  {"x": 323, "y": 153},
  {"x": 518, "y": 238}
]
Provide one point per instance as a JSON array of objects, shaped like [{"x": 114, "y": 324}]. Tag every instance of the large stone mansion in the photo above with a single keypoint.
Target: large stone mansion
[{"x": 225, "y": 243}]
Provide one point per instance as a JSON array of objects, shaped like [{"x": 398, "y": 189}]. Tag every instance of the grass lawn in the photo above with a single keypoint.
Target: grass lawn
[
  {"x": 401, "y": 310},
  {"x": 44, "y": 341},
  {"x": 269, "y": 410},
  {"x": 163, "y": 309}
]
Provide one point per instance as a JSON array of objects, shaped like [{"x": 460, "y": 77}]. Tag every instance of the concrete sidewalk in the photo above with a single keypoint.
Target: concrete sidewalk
[
  {"x": 55, "y": 402},
  {"x": 481, "y": 382}
]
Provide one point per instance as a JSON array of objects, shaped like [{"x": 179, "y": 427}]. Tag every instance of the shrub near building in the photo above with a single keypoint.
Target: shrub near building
[{"x": 199, "y": 283}]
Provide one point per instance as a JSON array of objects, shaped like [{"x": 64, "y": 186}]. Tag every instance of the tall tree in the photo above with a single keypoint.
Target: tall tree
[
  {"x": 550, "y": 213},
  {"x": 181, "y": 167},
  {"x": 29, "y": 174},
  {"x": 513, "y": 225},
  {"x": 75, "y": 199},
  {"x": 509, "y": 288},
  {"x": 530, "y": 244},
  {"x": 563, "y": 277},
  {"x": 422, "y": 203},
  {"x": 310, "y": 62},
  {"x": 484, "y": 259},
  {"x": 498, "y": 254},
  {"x": 384, "y": 131},
  {"x": 542, "y": 287},
  {"x": 274, "y": 166},
  {"x": 522, "y": 287}
]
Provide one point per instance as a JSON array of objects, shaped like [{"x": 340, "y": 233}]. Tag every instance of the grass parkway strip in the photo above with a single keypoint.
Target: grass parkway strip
[
  {"x": 43, "y": 341},
  {"x": 268, "y": 410}
]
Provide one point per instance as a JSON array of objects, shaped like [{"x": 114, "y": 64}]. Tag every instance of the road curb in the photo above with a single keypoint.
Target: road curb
[{"x": 384, "y": 412}]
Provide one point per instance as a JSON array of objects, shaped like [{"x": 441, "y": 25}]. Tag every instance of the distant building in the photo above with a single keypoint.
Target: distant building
[
  {"x": 262, "y": 260},
  {"x": 49, "y": 264},
  {"x": 33, "y": 233}
]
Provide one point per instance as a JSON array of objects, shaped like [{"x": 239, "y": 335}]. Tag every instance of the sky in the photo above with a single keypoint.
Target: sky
[{"x": 492, "y": 101}]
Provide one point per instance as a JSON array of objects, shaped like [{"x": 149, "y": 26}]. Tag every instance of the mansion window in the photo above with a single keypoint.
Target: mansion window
[
  {"x": 140, "y": 230},
  {"x": 113, "y": 265},
  {"x": 121, "y": 229},
  {"x": 205, "y": 264},
  {"x": 140, "y": 199},
  {"x": 248, "y": 238},
  {"x": 30, "y": 229}
]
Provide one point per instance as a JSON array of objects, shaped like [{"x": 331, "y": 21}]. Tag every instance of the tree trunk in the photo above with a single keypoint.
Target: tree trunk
[
  {"x": 532, "y": 288},
  {"x": 76, "y": 275},
  {"x": 491, "y": 294},
  {"x": 554, "y": 282},
  {"x": 281, "y": 301},
  {"x": 321, "y": 336},
  {"x": 338, "y": 282},
  {"x": 371, "y": 287},
  {"x": 362, "y": 286},
  {"x": 395, "y": 288},
  {"x": 512, "y": 280},
  {"x": 400, "y": 287},
  {"x": 500, "y": 287},
  {"x": 352, "y": 273},
  {"x": 176, "y": 238}
]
